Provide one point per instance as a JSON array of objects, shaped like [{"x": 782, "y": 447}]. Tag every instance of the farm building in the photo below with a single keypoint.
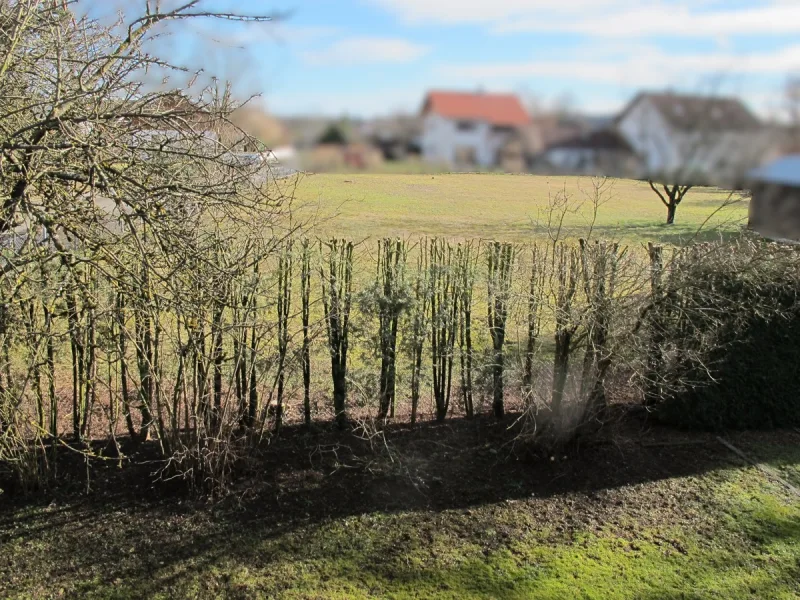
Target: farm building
[
  {"x": 775, "y": 201},
  {"x": 469, "y": 129},
  {"x": 600, "y": 152},
  {"x": 693, "y": 137}
]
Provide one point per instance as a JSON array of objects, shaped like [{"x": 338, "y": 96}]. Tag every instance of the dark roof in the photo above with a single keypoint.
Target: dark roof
[
  {"x": 602, "y": 139},
  {"x": 705, "y": 113},
  {"x": 495, "y": 109}
]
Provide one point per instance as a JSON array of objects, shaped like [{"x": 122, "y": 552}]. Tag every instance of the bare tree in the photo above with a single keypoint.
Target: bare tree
[
  {"x": 671, "y": 198},
  {"x": 134, "y": 207}
]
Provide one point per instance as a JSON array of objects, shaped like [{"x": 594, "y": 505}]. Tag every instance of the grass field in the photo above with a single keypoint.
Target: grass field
[
  {"x": 643, "y": 517},
  {"x": 509, "y": 207}
]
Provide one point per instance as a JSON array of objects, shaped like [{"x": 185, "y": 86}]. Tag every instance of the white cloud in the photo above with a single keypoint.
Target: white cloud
[
  {"x": 674, "y": 21},
  {"x": 481, "y": 11},
  {"x": 246, "y": 34},
  {"x": 364, "y": 50},
  {"x": 302, "y": 34},
  {"x": 644, "y": 68},
  {"x": 608, "y": 18},
  {"x": 381, "y": 102}
]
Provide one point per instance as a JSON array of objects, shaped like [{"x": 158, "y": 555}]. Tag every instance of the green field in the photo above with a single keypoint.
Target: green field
[{"x": 510, "y": 207}]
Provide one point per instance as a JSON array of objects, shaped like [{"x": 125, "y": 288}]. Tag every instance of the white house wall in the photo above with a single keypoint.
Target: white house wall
[
  {"x": 441, "y": 138},
  {"x": 651, "y": 137}
]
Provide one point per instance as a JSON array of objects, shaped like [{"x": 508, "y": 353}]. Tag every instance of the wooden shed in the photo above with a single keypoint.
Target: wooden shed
[{"x": 775, "y": 201}]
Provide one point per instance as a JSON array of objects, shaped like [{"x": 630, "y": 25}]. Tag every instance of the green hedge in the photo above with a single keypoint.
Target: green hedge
[
  {"x": 740, "y": 322},
  {"x": 757, "y": 382}
]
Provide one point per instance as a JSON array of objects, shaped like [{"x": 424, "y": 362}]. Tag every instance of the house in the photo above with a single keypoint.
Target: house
[
  {"x": 469, "y": 129},
  {"x": 397, "y": 136},
  {"x": 693, "y": 138},
  {"x": 775, "y": 199},
  {"x": 549, "y": 129},
  {"x": 601, "y": 152}
]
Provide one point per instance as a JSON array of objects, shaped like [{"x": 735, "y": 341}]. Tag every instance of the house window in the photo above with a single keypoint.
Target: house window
[{"x": 465, "y": 125}]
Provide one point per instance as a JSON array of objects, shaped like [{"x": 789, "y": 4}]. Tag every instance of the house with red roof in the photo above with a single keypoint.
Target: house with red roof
[{"x": 465, "y": 129}]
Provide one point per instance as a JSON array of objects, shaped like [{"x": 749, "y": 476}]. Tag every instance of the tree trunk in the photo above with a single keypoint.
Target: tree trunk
[
  {"x": 339, "y": 392},
  {"x": 466, "y": 364},
  {"x": 560, "y": 370},
  {"x": 123, "y": 367},
  {"x": 216, "y": 419},
  {"x": 415, "y": 377},
  {"x": 497, "y": 383},
  {"x": 671, "y": 212},
  {"x": 305, "y": 294},
  {"x": 252, "y": 407}
]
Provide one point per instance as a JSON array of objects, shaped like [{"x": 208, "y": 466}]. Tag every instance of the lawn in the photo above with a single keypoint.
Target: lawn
[
  {"x": 434, "y": 513},
  {"x": 509, "y": 207}
]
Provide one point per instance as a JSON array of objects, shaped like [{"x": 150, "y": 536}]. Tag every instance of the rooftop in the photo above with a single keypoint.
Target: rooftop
[
  {"x": 601, "y": 139},
  {"x": 502, "y": 110},
  {"x": 782, "y": 171},
  {"x": 705, "y": 113}
]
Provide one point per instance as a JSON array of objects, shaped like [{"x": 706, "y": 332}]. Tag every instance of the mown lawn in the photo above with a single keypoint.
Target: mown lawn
[
  {"x": 442, "y": 516},
  {"x": 509, "y": 207}
]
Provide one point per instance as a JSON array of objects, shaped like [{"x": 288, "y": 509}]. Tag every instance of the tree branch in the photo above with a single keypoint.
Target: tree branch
[{"x": 660, "y": 195}]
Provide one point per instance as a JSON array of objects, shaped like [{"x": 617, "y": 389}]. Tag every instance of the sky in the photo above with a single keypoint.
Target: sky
[{"x": 366, "y": 58}]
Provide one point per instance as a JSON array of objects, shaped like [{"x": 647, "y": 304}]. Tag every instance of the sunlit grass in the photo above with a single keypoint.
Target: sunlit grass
[{"x": 509, "y": 207}]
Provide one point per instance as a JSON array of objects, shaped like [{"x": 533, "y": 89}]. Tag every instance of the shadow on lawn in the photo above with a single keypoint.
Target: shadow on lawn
[
  {"x": 135, "y": 539},
  {"x": 674, "y": 235}
]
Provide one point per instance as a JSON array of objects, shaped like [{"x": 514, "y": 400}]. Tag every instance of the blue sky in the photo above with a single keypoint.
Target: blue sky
[{"x": 372, "y": 57}]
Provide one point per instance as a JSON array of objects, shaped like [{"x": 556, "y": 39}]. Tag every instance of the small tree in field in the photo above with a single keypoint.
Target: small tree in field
[{"x": 671, "y": 197}]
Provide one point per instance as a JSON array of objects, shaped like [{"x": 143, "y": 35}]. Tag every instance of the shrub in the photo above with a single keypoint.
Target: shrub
[{"x": 731, "y": 325}]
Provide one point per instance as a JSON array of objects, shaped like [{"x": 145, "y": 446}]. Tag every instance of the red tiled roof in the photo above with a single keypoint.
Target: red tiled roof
[{"x": 496, "y": 109}]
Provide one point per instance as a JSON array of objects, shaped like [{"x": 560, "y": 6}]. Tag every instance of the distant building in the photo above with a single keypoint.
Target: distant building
[
  {"x": 469, "y": 129},
  {"x": 775, "y": 201},
  {"x": 716, "y": 140},
  {"x": 396, "y": 136},
  {"x": 601, "y": 152}
]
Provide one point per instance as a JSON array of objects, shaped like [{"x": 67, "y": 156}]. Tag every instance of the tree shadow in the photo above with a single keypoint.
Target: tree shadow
[
  {"x": 674, "y": 235},
  {"x": 137, "y": 538}
]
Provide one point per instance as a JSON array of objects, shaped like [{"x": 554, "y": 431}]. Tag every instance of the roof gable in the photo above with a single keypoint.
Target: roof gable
[
  {"x": 698, "y": 113},
  {"x": 503, "y": 110}
]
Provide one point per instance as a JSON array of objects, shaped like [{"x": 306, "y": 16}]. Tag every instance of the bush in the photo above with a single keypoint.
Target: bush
[
  {"x": 756, "y": 382},
  {"x": 735, "y": 342}
]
